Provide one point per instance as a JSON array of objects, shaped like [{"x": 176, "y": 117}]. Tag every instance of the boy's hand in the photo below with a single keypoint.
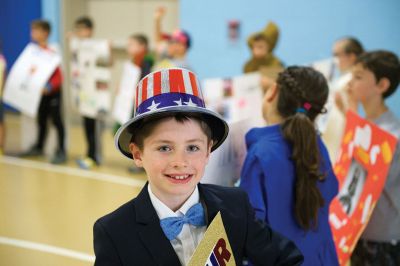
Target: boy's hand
[
  {"x": 159, "y": 13},
  {"x": 345, "y": 100}
]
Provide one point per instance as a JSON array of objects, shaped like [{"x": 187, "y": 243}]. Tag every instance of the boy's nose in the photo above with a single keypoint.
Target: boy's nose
[{"x": 179, "y": 160}]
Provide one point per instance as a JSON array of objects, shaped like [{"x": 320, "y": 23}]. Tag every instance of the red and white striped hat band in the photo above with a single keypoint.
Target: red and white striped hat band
[{"x": 167, "y": 88}]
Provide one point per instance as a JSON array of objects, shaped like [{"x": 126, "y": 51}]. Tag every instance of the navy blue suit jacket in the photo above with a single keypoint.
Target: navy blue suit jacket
[{"x": 132, "y": 234}]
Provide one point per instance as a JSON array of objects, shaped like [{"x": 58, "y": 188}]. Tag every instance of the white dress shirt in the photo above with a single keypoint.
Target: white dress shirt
[{"x": 190, "y": 236}]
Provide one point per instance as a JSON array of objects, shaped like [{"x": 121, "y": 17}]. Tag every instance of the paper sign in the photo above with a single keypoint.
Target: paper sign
[
  {"x": 90, "y": 76},
  {"x": 214, "y": 249},
  {"x": 362, "y": 167},
  {"x": 28, "y": 77},
  {"x": 123, "y": 104}
]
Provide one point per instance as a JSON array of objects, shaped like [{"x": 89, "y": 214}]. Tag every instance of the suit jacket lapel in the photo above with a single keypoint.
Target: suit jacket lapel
[{"x": 151, "y": 233}]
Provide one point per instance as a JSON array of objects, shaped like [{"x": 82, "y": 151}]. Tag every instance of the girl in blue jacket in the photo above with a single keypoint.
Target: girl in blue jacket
[{"x": 287, "y": 172}]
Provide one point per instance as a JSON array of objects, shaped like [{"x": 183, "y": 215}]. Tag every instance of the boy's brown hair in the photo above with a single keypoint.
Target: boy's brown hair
[
  {"x": 41, "y": 24},
  {"x": 147, "y": 126},
  {"x": 383, "y": 64}
]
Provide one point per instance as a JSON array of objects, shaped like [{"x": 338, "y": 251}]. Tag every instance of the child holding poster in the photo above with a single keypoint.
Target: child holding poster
[
  {"x": 90, "y": 84},
  {"x": 375, "y": 78},
  {"x": 138, "y": 66},
  {"x": 51, "y": 100},
  {"x": 287, "y": 172},
  {"x": 171, "y": 136}
]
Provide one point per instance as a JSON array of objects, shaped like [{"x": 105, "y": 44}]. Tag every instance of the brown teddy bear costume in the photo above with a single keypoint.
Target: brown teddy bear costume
[{"x": 271, "y": 35}]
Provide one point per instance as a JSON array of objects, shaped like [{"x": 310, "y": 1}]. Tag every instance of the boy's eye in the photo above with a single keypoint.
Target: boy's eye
[
  {"x": 164, "y": 149},
  {"x": 193, "y": 148}
]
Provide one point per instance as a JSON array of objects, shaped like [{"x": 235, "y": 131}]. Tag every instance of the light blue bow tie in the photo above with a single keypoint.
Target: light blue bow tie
[{"x": 172, "y": 226}]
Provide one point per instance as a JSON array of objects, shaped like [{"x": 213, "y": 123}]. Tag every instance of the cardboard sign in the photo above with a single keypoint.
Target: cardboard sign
[
  {"x": 361, "y": 169},
  {"x": 28, "y": 77},
  {"x": 90, "y": 76},
  {"x": 123, "y": 104},
  {"x": 214, "y": 249}
]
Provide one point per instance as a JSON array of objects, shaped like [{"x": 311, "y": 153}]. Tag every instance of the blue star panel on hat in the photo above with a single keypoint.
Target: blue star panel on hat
[{"x": 175, "y": 90}]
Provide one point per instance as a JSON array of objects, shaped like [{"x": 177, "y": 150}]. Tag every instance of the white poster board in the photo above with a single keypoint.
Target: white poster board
[
  {"x": 123, "y": 104},
  {"x": 28, "y": 77},
  {"x": 239, "y": 101},
  {"x": 90, "y": 76}
]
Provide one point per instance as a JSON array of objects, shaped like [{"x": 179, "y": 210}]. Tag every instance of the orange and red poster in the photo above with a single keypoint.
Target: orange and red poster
[{"x": 362, "y": 166}]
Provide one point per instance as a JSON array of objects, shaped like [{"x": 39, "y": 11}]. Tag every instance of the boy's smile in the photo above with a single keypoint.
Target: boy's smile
[{"x": 174, "y": 156}]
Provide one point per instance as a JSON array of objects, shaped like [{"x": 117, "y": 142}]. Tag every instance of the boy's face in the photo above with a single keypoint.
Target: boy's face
[
  {"x": 134, "y": 48},
  {"x": 38, "y": 34},
  {"x": 174, "y": 157},
  {"x": 82, "y": 32},
  {"x": 363, "y": 86},
  {"x": 176, "y": 49},
  {"x": 260, "y": 49}
]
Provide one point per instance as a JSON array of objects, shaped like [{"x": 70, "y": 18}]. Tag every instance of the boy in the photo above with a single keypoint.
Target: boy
[
  {"x": 262, "y": 45},
  {"x": 171, "y": 136},
  {"x": 375, "y": 78},
  {"x": 138, "y": 52},
  {"x": 51, "y": 101},
  {"x": 92, "y": 124},
  {"x": 179, "y": 43}
]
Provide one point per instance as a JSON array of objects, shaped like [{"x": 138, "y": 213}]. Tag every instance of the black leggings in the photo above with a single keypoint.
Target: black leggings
[
  {"x": 93, "y": 138},
  {"x": 50, "y": 105}
]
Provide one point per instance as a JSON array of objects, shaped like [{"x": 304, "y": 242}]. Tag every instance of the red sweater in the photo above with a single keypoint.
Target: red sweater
[{"x": 56, "y": 79}]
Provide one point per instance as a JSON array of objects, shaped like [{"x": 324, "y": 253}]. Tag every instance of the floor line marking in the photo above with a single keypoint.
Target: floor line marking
[
  {"x": 73, "y": 171},
  {"x": 47, "y": 249}
]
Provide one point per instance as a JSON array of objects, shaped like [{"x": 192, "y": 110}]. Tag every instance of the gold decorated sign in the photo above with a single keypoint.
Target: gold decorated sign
[{"x": 214, "y": 249}]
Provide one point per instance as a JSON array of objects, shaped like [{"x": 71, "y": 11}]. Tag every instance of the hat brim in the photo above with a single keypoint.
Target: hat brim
[{"x": 217, "y": 124}]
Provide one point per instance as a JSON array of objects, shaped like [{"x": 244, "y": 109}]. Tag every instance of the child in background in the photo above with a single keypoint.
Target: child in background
[
  {"x": 262, "y": 45},
  {"x": 138, "y": 53},
  {"x": 287, "y": 172},
  {"x": 171, "y": 137},
  {"x": 92, "y": 125},
  {"x": 51, "y": 101},
  {"x": 375, "y": 78},
  {"x": 178, "y": 45}
]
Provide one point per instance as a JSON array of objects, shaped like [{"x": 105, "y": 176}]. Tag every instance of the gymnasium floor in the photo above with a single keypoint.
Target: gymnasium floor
[{"x": 47, "y": 212}]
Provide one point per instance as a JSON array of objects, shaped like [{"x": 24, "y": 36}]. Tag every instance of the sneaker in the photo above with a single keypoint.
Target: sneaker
[
  {"x": 59, "y": 158},
  {"x": 86, "y": 163},
  {"x": 34, "y": 151}
]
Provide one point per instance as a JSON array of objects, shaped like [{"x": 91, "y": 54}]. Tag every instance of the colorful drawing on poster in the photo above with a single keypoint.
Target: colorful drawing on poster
[{"x": 362, "y": 166}]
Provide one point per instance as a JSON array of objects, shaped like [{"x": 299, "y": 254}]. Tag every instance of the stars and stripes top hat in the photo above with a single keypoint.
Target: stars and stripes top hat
[{"x": 173, "y": 90}]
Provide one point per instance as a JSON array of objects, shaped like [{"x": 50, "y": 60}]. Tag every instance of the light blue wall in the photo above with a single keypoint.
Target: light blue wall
[
  {"x": 308, "y": 29},
  {"x": 51, "y": 12}
]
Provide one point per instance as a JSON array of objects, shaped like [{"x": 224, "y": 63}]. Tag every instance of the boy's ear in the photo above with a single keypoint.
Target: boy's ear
[
  {"x": 136, "y": 154},
  {"x": 383, "y": 85},
  {"x": 209, "y": 150}
]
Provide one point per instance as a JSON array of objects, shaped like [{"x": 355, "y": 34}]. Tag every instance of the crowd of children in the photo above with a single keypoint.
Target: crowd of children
[{"x": 280, "y": 213}]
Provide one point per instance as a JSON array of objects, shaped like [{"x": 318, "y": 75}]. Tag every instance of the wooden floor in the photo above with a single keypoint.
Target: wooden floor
[{"x": 47, "y": 212}]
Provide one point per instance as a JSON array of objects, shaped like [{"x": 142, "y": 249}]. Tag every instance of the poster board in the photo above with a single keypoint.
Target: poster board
[
  {"x": 363, "y": 164},
  {"x": 239, "y": 100},
  {"x": 90, "y": 76},
  {"x": 214, "y": 249},
  {"x": 123, "y": 103},
  {"x": 28, "y": 76}
]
